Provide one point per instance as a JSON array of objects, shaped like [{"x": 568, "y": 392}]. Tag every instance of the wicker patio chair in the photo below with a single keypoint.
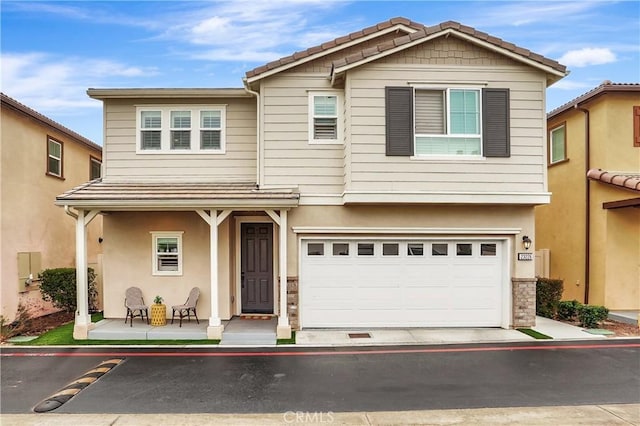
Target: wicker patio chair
[
  {"x": 134, "y": 302},
  {"x": 188, "y": 307}
]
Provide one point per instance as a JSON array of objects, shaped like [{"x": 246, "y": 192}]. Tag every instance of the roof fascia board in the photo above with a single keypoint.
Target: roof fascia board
[
  {"x": 168, "y": 93},
  {"x": 469, "y": 38},
  {"x": 173, "y": 205},
  {"x": 285, "y": 67},
  {"x": 592, "y": 95}
]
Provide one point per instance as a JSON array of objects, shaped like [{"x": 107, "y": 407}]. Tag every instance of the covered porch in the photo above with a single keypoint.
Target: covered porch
[{"x": 230, "y": 205}]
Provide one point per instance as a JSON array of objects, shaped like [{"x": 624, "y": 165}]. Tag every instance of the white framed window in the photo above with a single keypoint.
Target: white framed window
[
  {"x": 325, "y": 118},
  {"x": 166, "y": 253},
  {"x": 54, "y": 157},
  {"x": 557, "y": 144},
  {"x": 448, "y": 121},
  {"x": 180, "y": 129},
  {"x": 95, "y": 168}
]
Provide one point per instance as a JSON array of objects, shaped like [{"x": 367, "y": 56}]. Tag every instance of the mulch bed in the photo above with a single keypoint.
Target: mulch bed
[{"x": 39, "y": 325}]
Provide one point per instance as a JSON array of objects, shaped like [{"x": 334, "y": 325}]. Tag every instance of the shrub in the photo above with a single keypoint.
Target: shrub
[
  {"x": 59, "y": 287},
  {"x": 548, "y": 294},
  {"x": 591, "y": 316},
  {"x": 568, "y": 309}
]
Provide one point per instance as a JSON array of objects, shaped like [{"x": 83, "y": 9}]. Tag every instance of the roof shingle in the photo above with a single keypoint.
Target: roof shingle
[{"x": 621, "y": 179}]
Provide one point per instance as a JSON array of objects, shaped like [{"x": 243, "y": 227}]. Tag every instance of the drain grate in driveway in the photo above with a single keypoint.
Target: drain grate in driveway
[{"x": 359, "y": 335}]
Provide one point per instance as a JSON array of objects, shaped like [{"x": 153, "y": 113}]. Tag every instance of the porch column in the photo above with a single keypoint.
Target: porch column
[
  {"x": 284, "y": 328},
  {"x": 214, "y": 331},
  {"x": 82, "y": 323}
]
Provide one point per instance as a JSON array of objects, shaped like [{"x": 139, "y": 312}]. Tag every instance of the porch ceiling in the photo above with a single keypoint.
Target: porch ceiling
[{"x": 180, "y": 196}]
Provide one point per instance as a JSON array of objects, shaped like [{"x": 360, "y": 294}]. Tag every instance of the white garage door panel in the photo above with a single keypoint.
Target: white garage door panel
[{"x": 402, "y": 290}]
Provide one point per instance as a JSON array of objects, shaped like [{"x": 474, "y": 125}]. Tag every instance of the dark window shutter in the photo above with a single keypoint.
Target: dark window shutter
[
  {"x": 495, "y": 123},
  {"x": 399, "y": 120},
  {"x": 636, "y": 126}
]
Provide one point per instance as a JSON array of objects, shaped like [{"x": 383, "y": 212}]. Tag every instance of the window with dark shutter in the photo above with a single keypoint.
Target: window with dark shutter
[
  {"x": 495, "y": 123},
  {"x": 399, "y": 121}
]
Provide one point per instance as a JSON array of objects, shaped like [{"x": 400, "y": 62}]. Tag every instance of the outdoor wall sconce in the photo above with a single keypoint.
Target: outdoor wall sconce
[{"x": 526, "y": 242}]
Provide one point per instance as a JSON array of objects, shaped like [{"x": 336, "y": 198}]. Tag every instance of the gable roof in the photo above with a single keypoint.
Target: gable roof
[
  {"x": 12, "y": 104},
  {"x": 394, "y": 24},
  {"x": 413, "y": 34},
  {"x": 604, "y": 88}
]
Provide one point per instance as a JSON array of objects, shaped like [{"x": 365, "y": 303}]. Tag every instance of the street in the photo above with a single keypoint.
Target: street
[{"x": 204, "y": 380}]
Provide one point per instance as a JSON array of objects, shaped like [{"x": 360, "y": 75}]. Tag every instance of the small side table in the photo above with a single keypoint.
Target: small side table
[{"x": 158, "y": 314}]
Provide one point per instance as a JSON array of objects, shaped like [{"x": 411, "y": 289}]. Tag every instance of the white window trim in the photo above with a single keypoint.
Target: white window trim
[
  {"x": 58, "y": 159},
  {"x": 154, "y": 252},
  {"x": 551, "y": 144},
  {"x": 165, "y": 129},
  {"x": 447, "y": 89},
  {"x": 339, "y": 119}
]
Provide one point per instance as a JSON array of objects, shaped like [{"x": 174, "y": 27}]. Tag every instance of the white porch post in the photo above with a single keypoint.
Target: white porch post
[
  {"x": 284, "y": 328},
  {"x": 82, "y": 323},
  {"x": 214, "y": 331}
]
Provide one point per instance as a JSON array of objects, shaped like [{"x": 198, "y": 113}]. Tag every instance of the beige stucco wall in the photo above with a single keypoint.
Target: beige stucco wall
[
  {"x": 614, "y": 257},
  {"x": 30, "y": 220},
  {"x": 128, "y": 261}
]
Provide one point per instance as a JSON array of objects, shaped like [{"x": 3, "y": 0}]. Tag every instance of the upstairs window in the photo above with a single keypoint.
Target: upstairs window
[
  {"x": 557, "y": 144},
  {"x": 324, "y": 118},
  {"x": 54, "y": 157},
  {"x": 181, "y": 130},
  {"x": 636, "y": 126},
  {"x": 151, "y": 130},
  {"x": 429, "y": 122},
  {"x": 210, "y": 130},
  {"x": 95, "y": 168},
  {"x": 447, "y": 122}
]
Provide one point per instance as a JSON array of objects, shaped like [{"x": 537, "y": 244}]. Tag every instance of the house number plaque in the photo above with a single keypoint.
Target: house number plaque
[{"x": 525, "y": 256}]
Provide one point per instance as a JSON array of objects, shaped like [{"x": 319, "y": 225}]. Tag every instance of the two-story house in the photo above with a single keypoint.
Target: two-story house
[
  {"x": 386, "y": 178},
  {"x": 39, "y": 159},
  {"x": 592, "y": 226}
]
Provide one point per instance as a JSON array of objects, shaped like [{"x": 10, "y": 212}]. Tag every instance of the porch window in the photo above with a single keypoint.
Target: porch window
[{"x": 167, "y": 253}]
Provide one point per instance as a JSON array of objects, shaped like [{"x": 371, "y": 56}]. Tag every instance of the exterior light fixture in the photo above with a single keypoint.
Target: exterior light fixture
[{"x": 526, "y": 242}]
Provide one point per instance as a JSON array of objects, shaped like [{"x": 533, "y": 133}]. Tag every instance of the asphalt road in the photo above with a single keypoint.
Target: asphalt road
[{"x": 320, "y": 380}]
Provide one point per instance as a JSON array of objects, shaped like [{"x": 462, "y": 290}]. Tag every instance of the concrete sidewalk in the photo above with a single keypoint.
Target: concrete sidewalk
[
  {"x": 425, "y": 336},
  {"x": 611, "y": 414}
]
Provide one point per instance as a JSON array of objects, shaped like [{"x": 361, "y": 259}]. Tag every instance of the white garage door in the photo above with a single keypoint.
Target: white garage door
[{"x": 401, "y": 283}]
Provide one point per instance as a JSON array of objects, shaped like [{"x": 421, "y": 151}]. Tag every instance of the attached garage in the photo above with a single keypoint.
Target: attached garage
[{"x": 346, "y": 283}]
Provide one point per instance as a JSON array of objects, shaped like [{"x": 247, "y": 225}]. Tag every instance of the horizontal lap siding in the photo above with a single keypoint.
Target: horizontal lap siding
[
  {"x": 289, "y": 159},
  {"x": 238, "y": 164},
  {"x": 371, "y": 170}
]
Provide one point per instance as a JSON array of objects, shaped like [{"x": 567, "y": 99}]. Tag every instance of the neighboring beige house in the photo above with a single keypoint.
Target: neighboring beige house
[
  {"x": 39, "y": 158},
  {"x": 388, "y": 177},
  {"x": 592, "y": 226}
]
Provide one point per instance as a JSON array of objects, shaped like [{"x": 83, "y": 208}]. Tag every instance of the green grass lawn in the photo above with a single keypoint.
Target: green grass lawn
[
  {"x": 63, "y": 335},
  {"x": 291, "y": 341},
  {"x": 533, "y": 333}
]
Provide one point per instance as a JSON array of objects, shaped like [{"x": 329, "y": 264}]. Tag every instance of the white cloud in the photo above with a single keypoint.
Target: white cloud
[
  {"x": 48, "y": 83},
  {"x": 571, "y": 85},
  {"x": 530, "y": 12},
  {"x": 587, "y": 56}
]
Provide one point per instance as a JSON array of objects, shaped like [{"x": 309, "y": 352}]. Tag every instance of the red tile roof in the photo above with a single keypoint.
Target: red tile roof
[
  {"x": 421, "y": 32},
  {"x": 621, "y": 179},
  {"x": 606, "y": 87},
  {"x": 333, "y": 43},
  {"x": 428, "y": 31},
  {"x": 9, "y": 102}
]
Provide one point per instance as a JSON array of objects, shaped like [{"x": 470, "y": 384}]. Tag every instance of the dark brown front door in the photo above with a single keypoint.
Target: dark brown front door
[{"x": 257, "y": 268}]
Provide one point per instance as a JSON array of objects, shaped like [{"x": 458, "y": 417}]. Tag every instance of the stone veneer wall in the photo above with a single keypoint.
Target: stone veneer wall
[
  {"x": 524, "y": 302},
  {"x": 292, "y": 302}
]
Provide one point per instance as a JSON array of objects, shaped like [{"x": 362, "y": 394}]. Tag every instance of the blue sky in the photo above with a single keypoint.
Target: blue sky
[{"x": 51, "y": 52}]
